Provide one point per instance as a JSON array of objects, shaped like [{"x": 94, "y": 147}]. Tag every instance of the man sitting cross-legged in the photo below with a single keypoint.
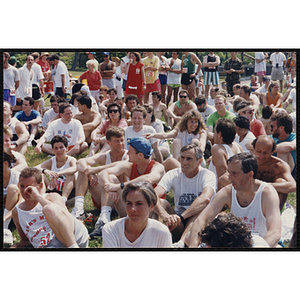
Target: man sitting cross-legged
[
  {"x": 192, "y": 186},
  {"x": 87, "y": 173},
  {"x": 140, "y": 167}
]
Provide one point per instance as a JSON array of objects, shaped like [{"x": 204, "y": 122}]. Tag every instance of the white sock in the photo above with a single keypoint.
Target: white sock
[
  {"x": 105, "y": 214},
  {"x": 31, "y": 137},
  {"x": 79, "y": 200},
  {"x": 65, "y": 199},
  {"x": 6, "y": 223}
]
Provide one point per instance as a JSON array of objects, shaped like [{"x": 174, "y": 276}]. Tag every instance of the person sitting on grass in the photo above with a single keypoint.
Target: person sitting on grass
[
  {"x": 19, "y": 133},
  {"x": 10, "y": 188},
  {"x": 136, "y": 230},
  {"x": 190, "y": 129},
  {"x": 88, "y": 117},
  {"x": 140, "y": 167},
  {"x": 42, "y": 220},
  {"x": 192, "y": 186},
  {"x": 66, "y": 126},
  {"x": 89, "y": 167},
  {"x": 61, "y": 169},
  {"x": 114, "y": 113}
]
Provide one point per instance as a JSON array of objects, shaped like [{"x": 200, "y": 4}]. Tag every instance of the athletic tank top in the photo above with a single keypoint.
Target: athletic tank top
[
  {"x": 14, "y": 179},
  {"x": 272, "y": 101},
  {"x": 61, "y": 180},
  {"x": 134, "y": 172},
  {"x": 212, "y": 167},
  {"x": 252, "y": 214},
  {"x": 187, "y": 65},
  {"x": 12, "y": 125},
  {"x": 35, "y": 226},
  {"x": 108, "y": 159},
  {"x": 211, "y": 69}
]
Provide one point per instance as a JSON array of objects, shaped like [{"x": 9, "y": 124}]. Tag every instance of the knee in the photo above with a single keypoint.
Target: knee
[{"x": 50, "y": 211}]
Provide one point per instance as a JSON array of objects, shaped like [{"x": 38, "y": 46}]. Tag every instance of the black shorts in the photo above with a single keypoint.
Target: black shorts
[
  {"x": 36, "y": 94},
  {"x": 59, "y": 92},
  {"x": 186, "y": 79}
]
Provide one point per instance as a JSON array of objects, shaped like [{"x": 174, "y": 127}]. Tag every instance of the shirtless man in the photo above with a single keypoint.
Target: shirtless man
[
  {"x": 159, "y": 107},
  {"x": 246, "y": 197},
  {"x": 224, "y": 147},
  {"x": 89, "y": 118},
  {"x": 130, "y": 102},
  {"x": 19, "y": 131},
  {"x": 140, "y": 167},
  {"x": 107, "y": 70},
  {"x": 179, "y": 108},
  {"x": 272, "y": 169},
  {"x": 188, "y": 80},
  {"x": 87, "y": 172}
]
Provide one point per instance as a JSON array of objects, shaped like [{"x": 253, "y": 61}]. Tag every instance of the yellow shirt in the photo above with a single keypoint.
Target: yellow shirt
[{"x": 151, "y": 76}]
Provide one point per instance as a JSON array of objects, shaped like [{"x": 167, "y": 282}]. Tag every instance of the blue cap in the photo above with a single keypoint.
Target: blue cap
[
  {"x": 105, "y": 53},
  {"x": 142, "y": 145}
]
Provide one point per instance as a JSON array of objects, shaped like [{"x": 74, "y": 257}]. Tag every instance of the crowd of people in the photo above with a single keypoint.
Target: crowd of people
[{"x": 129, "y": 130}]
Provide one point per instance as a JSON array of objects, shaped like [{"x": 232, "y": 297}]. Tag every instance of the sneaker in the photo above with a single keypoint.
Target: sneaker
[
  {"x": 33, "y": 143},
  {"x": 7, "y": 237},
  {"x": 29, "y": 144},
  {"x": 78, "y": 215},
  {"x": 97, "y": 232}
]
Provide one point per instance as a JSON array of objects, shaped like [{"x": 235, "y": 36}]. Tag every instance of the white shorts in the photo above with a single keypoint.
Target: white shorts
[{"x": 211, "y": 77}]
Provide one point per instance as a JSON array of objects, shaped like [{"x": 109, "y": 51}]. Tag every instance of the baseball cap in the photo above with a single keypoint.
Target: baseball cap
[
  {"x": 13, "y": 59},
  {"x": 94, "y": 53},
  {"x": 105, "y": 53},
  {"x": 142, "y": 145}
]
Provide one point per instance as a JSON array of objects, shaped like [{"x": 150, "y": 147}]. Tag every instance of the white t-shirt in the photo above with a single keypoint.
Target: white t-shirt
[
  {"x": 249, "y": 137},
  {"x": 48, "y": 116},
  {"x": 186, "y": 190},
  {"x": 259, "y": 67},
  {"x": 10, "y": 75},
  {"x": 58, "y": 71},
  {"x": 130, "y": 133},
  {"x": 25, "y": 87},
  {"x": 293, "y": 96},
  {"x": 186, "y": 138},
  {"x": 278, "y": 58},
  {"x": 209, "y": 110},
  {"x": 73, "y": 131},
  {"x": 38, "y": 74},
  {"x": 155, "y": 235},
  {"x": 174, "y": 78}
]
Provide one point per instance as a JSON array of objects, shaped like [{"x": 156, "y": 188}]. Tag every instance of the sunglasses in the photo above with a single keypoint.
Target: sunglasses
[
  {"x": 182, "y": 96},
  {"x": 113, "y": 111}
]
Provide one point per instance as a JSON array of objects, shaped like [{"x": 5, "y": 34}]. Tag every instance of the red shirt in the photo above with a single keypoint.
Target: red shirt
[
  {"x": 92, "y": 79},
  {"x": 134, "y": 84},
  {"x": 44, "y": 65},
  {"x": 257, "y": 128}
]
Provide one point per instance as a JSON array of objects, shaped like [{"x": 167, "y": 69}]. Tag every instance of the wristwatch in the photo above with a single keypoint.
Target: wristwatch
[
  {"x": 15, "y": 143},
  {"x": 122, "y": 185}
]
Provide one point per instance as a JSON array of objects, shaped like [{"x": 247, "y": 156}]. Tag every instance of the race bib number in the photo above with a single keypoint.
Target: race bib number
[
  {"x": 44, "y": 240},
  {"x": 184, "y": 70},
  {"x": 150, "y": 74}
]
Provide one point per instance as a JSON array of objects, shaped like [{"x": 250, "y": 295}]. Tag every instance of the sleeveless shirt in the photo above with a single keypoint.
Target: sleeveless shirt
[
  {"x": 35, "y": 226},
  {"x": 252, "y": 214}
]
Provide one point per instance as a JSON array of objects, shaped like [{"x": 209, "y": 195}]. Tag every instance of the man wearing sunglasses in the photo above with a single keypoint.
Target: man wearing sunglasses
[
  {"x": 180, "y": 107},
  {"x": 107, "y": 70}
]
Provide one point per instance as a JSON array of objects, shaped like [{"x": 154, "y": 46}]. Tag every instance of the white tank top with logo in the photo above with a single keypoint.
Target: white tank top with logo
[
  {"x": 252, "y": 214},
  {"x": 35, "y": 226}
]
